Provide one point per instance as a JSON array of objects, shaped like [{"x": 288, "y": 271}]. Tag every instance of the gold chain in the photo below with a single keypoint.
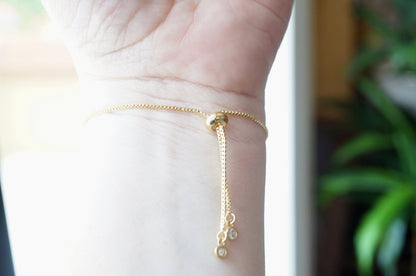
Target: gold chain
[
  {"x": 173, "y": 108},
  {"x": 215, "y": 122}
]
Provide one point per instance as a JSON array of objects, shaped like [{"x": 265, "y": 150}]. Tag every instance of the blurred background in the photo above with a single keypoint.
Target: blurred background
[
  {"x": 345, "y": 81},
  {"x": 365, "y": 87},
  {"x": 40, "y": 115}
]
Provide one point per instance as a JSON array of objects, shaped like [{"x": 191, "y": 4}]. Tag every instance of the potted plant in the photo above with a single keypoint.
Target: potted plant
[
  {"x": 378, "y": 164},
  {"x": 390, "y": 49},
  {"x": 390, "y": 179}
]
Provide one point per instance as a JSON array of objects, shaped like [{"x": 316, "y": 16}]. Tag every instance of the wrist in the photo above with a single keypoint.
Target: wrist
[
  {"x": 167, "y": 163},
  {"x": 167, "y": 178}
]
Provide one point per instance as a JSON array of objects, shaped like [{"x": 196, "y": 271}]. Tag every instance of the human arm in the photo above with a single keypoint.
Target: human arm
[{"x": 151, "y": 179}]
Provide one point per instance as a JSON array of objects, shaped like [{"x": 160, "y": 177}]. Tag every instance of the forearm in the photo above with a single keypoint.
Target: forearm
[{"x": 152, "y": 183}]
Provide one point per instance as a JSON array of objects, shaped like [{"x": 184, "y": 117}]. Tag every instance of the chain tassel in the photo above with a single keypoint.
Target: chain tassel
[
  {"x": 227, "y": 229},
  {"x": 214, "y": 122}
]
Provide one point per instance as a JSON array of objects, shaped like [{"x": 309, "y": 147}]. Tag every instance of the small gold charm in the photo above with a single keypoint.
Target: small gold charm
[
  {"x": 232, "y": 234},
  {"x": 221, "y": 251}
]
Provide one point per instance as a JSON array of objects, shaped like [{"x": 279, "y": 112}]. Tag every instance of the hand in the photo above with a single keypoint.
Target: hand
[{"x": 223, "y": 45}]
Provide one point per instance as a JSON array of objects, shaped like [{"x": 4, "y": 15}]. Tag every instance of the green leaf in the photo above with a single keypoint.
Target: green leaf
[
  {"x": 365, "y": 59},
  {"x": 406, "y": 150},
  {"x": 386, "y": 107},
  {"x": 405, "y": 137},
  {"x": 377, "y": 23},
  {"x": 363, "y": 144},
  {"x": 361, "y": 181},
  {"x": 375, "y": 223},
  {"x": 403, "y": 56},
  {"x": 392, "y": 246}
]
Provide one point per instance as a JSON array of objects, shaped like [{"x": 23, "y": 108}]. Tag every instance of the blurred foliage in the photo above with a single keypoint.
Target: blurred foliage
[
  {"x": 28, "y": 9},
  {"x": 390, "y": 184},
  {"x": 378, "y": 164},
  {"x": 391, "y": 41}
]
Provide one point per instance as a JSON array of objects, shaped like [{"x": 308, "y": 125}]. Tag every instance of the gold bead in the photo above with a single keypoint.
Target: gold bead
[{"x": 213, "y": 119}]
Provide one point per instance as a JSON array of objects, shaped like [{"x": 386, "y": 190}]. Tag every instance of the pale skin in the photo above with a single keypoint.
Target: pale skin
[{"x": 150, "y": 179}]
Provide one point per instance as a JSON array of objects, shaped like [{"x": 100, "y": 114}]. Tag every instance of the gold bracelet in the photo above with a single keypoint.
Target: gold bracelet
[{"x": 214, "y": 122}]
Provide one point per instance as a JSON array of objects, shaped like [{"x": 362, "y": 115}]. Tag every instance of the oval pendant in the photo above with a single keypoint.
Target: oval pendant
[{"x": 232, "y": 234}]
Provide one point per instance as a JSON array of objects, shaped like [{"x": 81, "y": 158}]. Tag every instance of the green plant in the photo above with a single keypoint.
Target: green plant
[
  {"x": 391, "y": 41},
  {"x": 378, "y": 165},
  {"x": 390, "y": 181}
]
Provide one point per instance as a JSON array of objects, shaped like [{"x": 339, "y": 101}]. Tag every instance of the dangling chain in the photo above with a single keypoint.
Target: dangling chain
[
  {"x": 227, "y": 230},
  {"x": 215, "y": 122}
]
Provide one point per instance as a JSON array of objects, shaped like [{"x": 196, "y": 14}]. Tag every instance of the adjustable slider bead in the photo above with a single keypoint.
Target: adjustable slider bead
[{"x": 213, "y": 119}]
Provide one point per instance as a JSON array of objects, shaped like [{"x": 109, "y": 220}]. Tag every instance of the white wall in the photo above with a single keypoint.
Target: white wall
[
  {"x": 288, "y": 205},
  {"x": 279, "y": 206}
]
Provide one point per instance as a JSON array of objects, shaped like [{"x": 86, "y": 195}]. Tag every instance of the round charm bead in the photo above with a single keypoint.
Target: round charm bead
[
  {"x": 232, "y": 233},
  {"x": 214, "y": 118},
  {"x": 221, "y": 251}
]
